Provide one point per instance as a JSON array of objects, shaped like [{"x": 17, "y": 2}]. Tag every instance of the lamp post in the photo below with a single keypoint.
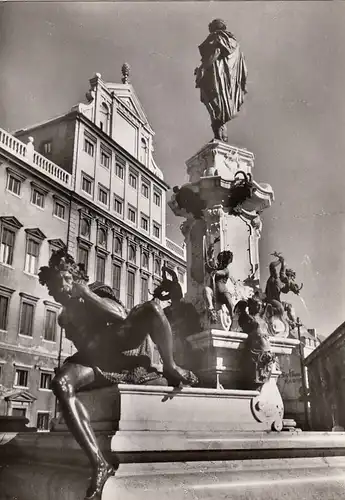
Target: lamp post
[{"x": 303, "y": 376}]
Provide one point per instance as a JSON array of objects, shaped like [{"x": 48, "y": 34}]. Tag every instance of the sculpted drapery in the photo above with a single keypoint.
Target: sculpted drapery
[{"x": 221, "y": 77}]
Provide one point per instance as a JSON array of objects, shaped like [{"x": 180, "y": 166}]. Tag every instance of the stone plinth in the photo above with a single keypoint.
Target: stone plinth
[
  {"x": 163, "y": 410},
  {"x": 218, "y": 356}
]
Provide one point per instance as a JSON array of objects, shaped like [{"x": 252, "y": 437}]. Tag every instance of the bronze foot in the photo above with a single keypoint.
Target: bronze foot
[
  {"x": 98, "y": 480},
  {"x": 179, "y": 376}
]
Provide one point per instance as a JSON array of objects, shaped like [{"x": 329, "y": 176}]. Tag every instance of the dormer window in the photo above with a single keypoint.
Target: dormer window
[{"x": 46, "y": 148}]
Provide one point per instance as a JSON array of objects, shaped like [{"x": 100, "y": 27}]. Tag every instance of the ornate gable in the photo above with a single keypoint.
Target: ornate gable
[
  {"x": 127, "y": 96},
  {"x": 11, "y": 221},
  {"x": 20, "y": 397},
  {"x": 36, "y": 233},
  {"x": 57, "y": 243}
]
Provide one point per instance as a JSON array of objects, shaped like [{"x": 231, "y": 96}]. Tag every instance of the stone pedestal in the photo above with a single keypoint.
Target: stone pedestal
[
  {"x": 213, "y": 172},
  {"x": 176, "y": 445}
]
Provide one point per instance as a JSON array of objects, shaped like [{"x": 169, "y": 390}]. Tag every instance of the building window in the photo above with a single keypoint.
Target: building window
[
  {"x": 120, "y": 168},
  {"x": 117, "y": 280},
  {"x": 47, "y": 148},
  {"x": 117, "y": 246},
  {"x": 102, "y": 238},
  {"x": 100, "y": 268},
  {"x": 130, "y": 289},
  {"x": 105, "y": 159},
  {"x": 45, "y": 380},
  {"x": 85, "y": 228},
  {"x": 103, "y": 195},
  {"x": 4, "y": 303},
  {"x": 37, "y": 198},
  {"x": 133, "y": 180},
  {"x": 21, "y": 378},
  {"x": 87, "y": 184},
  {"x": 31, "y": 256},
  {"x": 59, "y": 210},
  {"x": 118, "y": 205},
  {"x": 13, "y": 184},
  {"x": 83, "y": 258},
  {"x": 131, "y": 253},
  {"x": 144, "y": 289},
  {"x": 7, "y": 246},
  {"x": 156, "y": 231},
  {"x": 157, "y": 267},
  {"x": 144, "y": 261},
  {"x": 132, "y": 215},
  {"x": 26, "y": 319},
  {"x": 157, "y": 199},
  {"x": 144, "y": 223},
  {"x": 50, "y": 326},
  {"x": 42, "y": 421},
  {"x": 89, "y": 147},
  {"x": 145, "y": 190}
]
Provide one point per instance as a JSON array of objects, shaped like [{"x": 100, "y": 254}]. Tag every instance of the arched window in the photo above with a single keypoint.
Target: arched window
[
  {"x": 145, "y": 261},
  {"x": 131, "y": 253},
  {"x": 143, "y": 151},
  {"x": 85, "y": 228},
  {"x": 157, "y": 268},
  {"x": 117, "y": 246},
  {"x": 105, "y": 118},
  {"x": 102, "y": 237}
]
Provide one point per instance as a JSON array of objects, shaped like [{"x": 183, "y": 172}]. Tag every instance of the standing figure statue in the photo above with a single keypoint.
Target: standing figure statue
[
  {"x": 111, "y": 345},
  {"x": 217, "y": 292},
  {"x": 221, "y": 77},
  {"x": 278, "y": 283}
]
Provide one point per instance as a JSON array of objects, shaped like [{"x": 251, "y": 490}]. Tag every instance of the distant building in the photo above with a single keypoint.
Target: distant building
[
  {"x": 326, "y": 371},
  {"x": 94, "y": 186},
  {"x": 290, "y": 381}
]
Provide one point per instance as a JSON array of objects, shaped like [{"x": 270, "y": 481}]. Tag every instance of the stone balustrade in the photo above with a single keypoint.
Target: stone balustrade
[
  {"x": 180, "y": 251},
  {"x": 39, "y": 162}
]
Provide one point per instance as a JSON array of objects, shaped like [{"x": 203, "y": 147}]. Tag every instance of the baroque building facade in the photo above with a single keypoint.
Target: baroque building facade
[{"x": 88, "y": 180}]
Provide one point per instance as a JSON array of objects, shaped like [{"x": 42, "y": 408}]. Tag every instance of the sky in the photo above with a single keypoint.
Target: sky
[{"x": 293, "y": 118}]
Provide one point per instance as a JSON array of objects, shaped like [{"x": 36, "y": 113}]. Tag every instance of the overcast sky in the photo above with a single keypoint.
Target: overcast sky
[{"x": 293, "y": 119}]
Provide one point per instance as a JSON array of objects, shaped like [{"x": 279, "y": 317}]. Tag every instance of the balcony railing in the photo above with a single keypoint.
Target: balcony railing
[
  {"x": 175, "y": 248},
  {"x": 39, "y": 162}
]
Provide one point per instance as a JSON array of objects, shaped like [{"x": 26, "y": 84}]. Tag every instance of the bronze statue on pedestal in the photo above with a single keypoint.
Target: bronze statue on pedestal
[
  {"x": 111, "y": 347},
  {"x": 221, "y": 77}
]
